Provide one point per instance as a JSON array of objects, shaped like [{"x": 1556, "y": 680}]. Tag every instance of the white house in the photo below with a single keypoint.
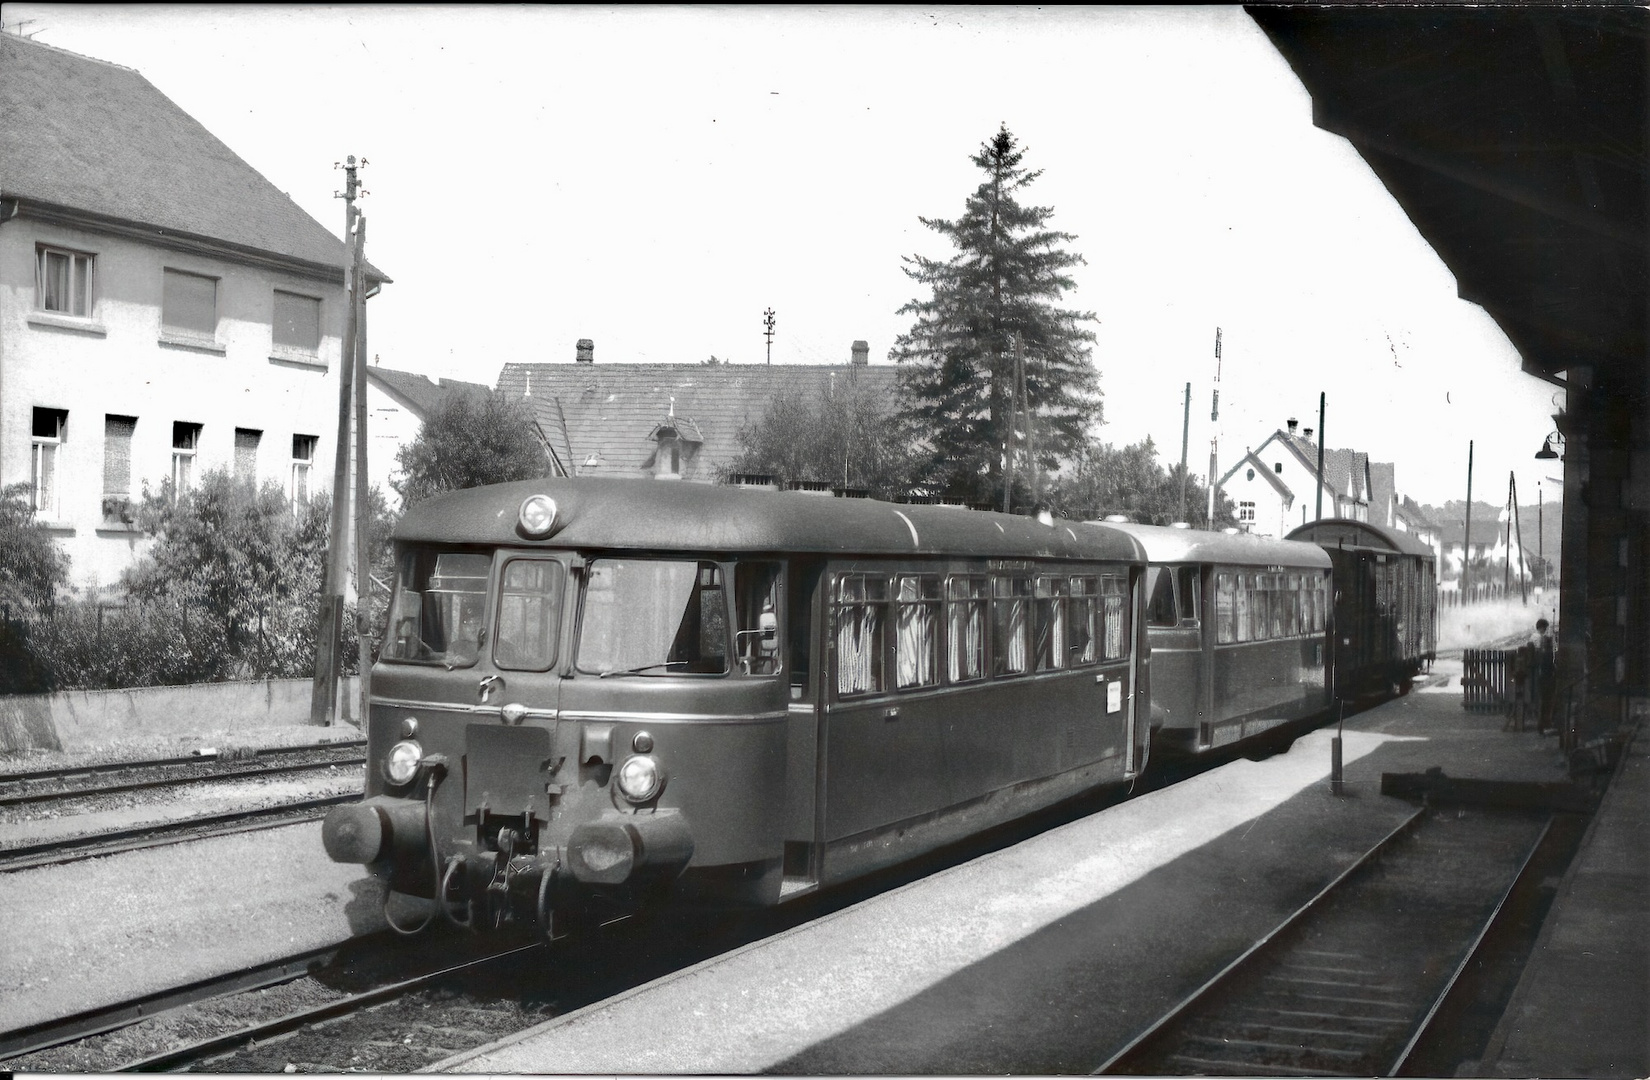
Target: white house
[{"x": 164, "y": 310}]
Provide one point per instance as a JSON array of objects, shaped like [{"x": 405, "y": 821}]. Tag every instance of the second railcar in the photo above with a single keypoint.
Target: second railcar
[
  {"x": 1386, "y": 604},
  {"x": 1238, "y": 631}
]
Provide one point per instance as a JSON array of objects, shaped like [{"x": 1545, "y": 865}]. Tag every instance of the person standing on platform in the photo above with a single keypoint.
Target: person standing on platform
[{"x": 1542, "y": 676}]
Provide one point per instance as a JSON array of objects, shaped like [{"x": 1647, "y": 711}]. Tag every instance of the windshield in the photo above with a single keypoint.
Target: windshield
[
  {"x": 439, "y": 606},
  {"x": 653, "y": 617}
]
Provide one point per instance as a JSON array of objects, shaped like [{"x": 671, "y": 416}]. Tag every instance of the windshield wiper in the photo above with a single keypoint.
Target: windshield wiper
[{"x": 643, "y": 667}]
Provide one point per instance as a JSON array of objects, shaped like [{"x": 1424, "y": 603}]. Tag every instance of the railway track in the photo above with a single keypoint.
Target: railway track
[
  {"x": 174, "y": 1029},
  {"x": 53, "y": 785},
  {"x": 1350, "y": 984}
]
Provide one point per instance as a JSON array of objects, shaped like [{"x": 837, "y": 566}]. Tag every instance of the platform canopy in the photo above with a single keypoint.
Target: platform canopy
[{"x": 1515, "y": 140}]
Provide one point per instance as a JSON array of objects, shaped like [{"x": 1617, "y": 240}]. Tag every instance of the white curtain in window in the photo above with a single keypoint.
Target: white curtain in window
[
  {"x": 915, "y": 644},
  {"x": 856, "y": 647}
]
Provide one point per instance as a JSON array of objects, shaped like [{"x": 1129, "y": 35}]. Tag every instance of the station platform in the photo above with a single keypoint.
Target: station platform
[{"x": 1048, "y": 956}]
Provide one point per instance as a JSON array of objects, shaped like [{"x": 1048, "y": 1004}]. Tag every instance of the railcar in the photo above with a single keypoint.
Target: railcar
[
  {"x": 1386, "y": 604},
  {"x": 593, "y": 694},
  {"x": 1238, "y": 627}
]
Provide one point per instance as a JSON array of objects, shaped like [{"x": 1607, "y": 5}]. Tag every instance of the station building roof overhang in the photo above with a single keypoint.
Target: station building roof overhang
[{"x": 1515, "y": 140}]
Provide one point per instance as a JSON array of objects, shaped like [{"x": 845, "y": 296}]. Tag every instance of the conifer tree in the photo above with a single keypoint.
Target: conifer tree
[{"x": 963, "y": 387}]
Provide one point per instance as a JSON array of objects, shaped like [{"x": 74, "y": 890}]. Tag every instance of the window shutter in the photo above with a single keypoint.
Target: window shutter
[
  {"x": 190, "y": 304},
  {"x": 117, "y": 454}
]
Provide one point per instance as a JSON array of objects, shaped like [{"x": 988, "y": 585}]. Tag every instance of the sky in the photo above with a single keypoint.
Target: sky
[{"x": 655, "y": 179}]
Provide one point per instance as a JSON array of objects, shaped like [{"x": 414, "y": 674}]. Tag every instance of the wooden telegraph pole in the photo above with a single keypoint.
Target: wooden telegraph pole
[
  {"x": 363, "y": 509},
  {"x": 1185, "y": 441},
  {"x": 1214, "y": 438},
  {"x": 323, "y": 702}
]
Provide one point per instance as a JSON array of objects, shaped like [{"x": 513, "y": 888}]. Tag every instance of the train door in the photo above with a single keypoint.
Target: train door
[{"x": 804, "y": 756}]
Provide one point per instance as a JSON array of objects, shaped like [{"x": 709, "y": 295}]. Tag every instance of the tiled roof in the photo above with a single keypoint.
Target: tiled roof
[
  {"x": 601, "y": 418},
  {"x": 97, "y": 137},
  {"x": 1382, "y": 488},
  {"x": 419, "y": 392}
]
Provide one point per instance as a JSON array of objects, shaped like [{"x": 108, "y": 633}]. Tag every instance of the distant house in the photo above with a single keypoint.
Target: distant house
[
  {"x": 668, "y": 421},
  {"x": 1489, "y": 544},
  {"x": 1275, "y": 486},
  {"x": 397, "y": 403},
  {"x": 164, "y": 310}
]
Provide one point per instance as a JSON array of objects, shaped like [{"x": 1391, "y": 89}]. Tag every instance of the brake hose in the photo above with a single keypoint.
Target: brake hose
[{"x": 437, "y": 879}]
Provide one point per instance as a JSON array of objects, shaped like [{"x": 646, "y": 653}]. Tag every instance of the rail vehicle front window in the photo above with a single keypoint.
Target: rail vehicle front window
[
  {"x": 861, "y": 629},
  {"x": 529, "y": 615},
  {"x": 1112, "y": 594},
  {"x": 917, "y": 637},
  {"x": 1049, "y": 624},
  {"x": 653, "y": 617},
  {"x": 1160, "y": 610},
  {"x": 439, "y": 608},
  {"x": 1010, "y": 596},
  {"x": 965, "y": 628},
  {"x": 1082, "y": 614}
]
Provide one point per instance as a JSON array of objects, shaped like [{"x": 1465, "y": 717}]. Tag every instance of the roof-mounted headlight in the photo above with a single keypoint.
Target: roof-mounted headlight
[{"x": 537, "y": 516}]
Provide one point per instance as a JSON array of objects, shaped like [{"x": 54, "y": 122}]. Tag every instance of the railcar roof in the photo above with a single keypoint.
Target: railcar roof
[
  {"x": 1344, "y": 532},
  {"x": 1169, "y": 545},
  {"x": 663, "y": 515}
]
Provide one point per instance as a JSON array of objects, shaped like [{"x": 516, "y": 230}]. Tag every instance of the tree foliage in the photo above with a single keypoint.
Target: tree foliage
[
  {"x": 847, "y": 434},
  {"x": 999, "y": 291},
  {"x": 32, "y": 573},
  {"x": 1130, "y": 480},
  {"x": 469, "y": 440}
]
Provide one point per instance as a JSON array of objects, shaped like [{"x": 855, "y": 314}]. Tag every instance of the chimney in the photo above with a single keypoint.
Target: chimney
[
  {"x": 862, "y": 353},
  {"x": 1308, "y": 432},
  {"x": 1292, "y": 423},
  {"x": 585, "y": 351}
]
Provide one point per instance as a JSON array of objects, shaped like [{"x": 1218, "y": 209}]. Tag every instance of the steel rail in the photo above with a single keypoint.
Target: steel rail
[
  {"x": 35, "y": 797},
  {"x": 163, "y": 834},
  {"x": 64, "y": 771},
  {"x": 1232, "y": 968},
  {"x": 46, "y": 1034},
  {"x": 1471, "y": 954},
  {"x": 183, "y": 1056}
]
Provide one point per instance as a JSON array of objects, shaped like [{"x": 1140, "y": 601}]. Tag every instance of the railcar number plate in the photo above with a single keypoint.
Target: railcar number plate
[
  {"x": 1114, "y": 696},
  {"x": 504, "y": 770}
]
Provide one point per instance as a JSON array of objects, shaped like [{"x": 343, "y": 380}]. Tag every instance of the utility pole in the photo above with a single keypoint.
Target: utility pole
[
  {"x": 1214, "y": 439},
  {"x": 363, "y": 508},
  {"x": 1321, "y": 444},
  {"x": 1185, "y": 441},
  {"x": 323, "y": 705},
  {"x": 1541, "y": 535},
  {"x": 767, "y": 331},
  {"x": 1466, "y": 538},
  {"x": 1518, "y": 530}
]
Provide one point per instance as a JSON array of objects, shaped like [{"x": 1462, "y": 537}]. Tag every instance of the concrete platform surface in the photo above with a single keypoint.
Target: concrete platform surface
[{"x": 1048, "y": 956}]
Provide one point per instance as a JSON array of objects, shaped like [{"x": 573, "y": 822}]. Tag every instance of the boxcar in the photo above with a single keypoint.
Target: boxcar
[
  {"x": 1386, "y": 602},
  {"x": 593, "y": 693},
  {"x": 1238, "y": 631}
]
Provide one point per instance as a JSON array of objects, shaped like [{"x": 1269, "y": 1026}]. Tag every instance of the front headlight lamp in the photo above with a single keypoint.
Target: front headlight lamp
[
  {"x": 640, "y": 778},
  {"x": 401, "y": 763},
  {"x": 537, "y": 516}
]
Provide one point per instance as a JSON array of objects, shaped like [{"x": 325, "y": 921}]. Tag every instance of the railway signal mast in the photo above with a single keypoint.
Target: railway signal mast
[{"x": 1214, "y": 438}]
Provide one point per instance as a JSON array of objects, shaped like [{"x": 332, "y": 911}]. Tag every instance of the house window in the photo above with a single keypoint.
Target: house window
[
  {"x": 117, "y": 468},
  {"x": 189, "y": 305},
  {"x": 246, "y": 454},
  {"x": 186, "y": 439},
  {"x": 297, "y": 323},
  {"x": 50, "y": 429},
  {"x": 667, "y": 461},
  {"x": 1277, "y": 467},
  {"x": 1246, "y": 513},
  {"x": 63, "y": 281},
  {"x": 303, "y": 457}
]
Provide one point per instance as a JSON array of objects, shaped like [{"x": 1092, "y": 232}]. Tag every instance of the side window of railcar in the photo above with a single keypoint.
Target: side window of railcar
[
  {"x": 529, "y": 615},
  {"x": 653, "y": 617},
  {"x": 965, "y": 628},
  {"x": 1112, "y": 594},
  {"x": 1225, "y": 608},
  {"x": 1160, "y": 609},
  {"x": 1010, "y": 598},
  {"x": 1048, "y": 630},
  {"x": 1186, "y": 590},
  {"x": 1241, "y": 595},
  {"x": 861, "y": 610},
  {"x": 756, "y": 602},
  {"x": 917, "y": 636},
  {"x": 1083, "y": 621},
  {"x": 1280, "y": 605},
  {"x": 439, "y": 607}
]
